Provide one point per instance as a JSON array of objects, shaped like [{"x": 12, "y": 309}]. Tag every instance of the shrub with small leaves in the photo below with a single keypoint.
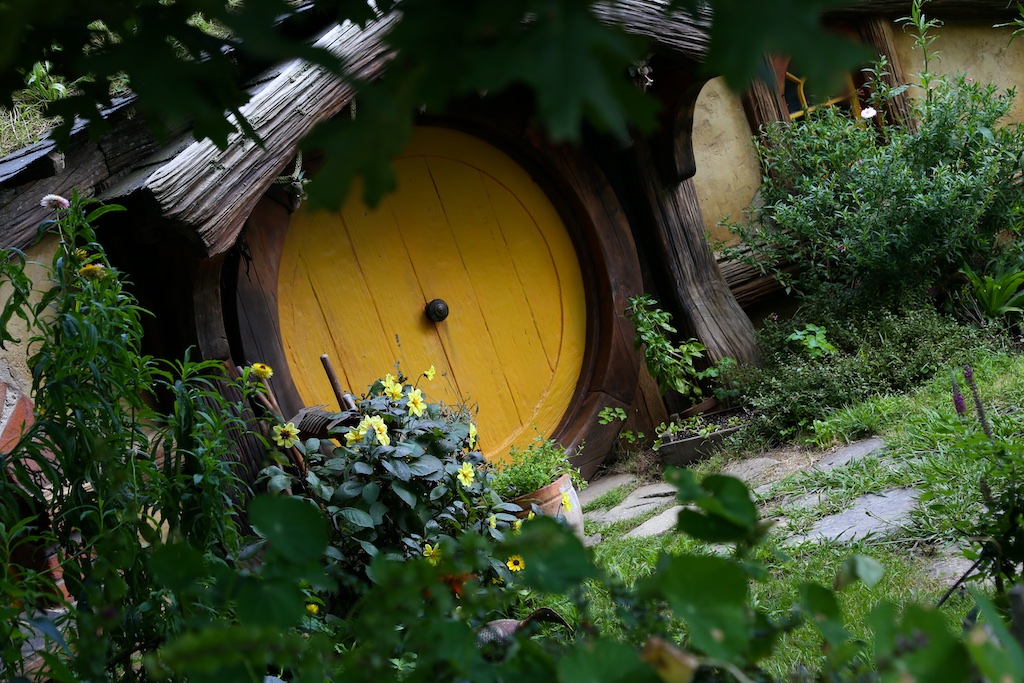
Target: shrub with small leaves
[{"x": 877, "y": 353}]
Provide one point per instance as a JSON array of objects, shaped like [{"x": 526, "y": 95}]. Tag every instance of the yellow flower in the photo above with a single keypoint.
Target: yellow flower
[
  {"x": 92, "y": 271},
  {"x": 376, "y": 423},
  {"x": 354, "y": 435},
  {"x": 262, "y": 371},
  {"x": 529, "y": 517},
  {"x": 312, "y": 608},
  {"x": 472, "y": 436},
  {"x": 286, "y": 435},
  {"x": 393, "y": 391},
  {"x": 517, "y": 525},
  {"x": 493, "y": 521},
  {"x": 566, "y": 503},
  {"x": 416, "y": 403},
  {"x": 515, "y": 563},
  {"x": 466, "y": 474},
  {"x": 429, "y": 372},
  {"x": 432, "y": 553}
]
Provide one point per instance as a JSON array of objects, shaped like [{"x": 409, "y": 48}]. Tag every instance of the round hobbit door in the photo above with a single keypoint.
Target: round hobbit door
[{"x": 467, "y": 267}]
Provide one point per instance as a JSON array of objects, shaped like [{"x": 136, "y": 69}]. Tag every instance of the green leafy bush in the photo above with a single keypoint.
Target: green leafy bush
[
  {"x": 671, "y": 365},
  {"x": 888, "y": 212},
  {"x": 878, "y": 353},
  {"x": 812, "y": 340},
  {"x": 106, "y": 478},
  {"x": 536, "y": 466}
]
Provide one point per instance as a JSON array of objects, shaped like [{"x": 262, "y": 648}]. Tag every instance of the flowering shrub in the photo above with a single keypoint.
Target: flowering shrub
[
  {"x": 404, "y": 481},
  {"x": 888, "y": 211}
]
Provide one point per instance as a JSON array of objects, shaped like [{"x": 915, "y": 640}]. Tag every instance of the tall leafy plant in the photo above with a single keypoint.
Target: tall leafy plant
[
  {"x": 106, "y": 478},
  {"x": 874, "y": 210},
  {"x": 670, "y": 364}
]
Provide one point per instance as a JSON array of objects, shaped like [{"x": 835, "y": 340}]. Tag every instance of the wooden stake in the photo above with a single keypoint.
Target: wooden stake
[{"x": 345, "y": 401}]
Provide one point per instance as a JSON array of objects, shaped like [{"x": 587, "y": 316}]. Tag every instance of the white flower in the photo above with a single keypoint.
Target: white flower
[
  {"x": 868, "y": 113},
  {"x": 54, "y": 201}
]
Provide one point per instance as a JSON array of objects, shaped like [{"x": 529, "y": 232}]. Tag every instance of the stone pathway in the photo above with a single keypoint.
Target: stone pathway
[{"x": 875, "y": 514}]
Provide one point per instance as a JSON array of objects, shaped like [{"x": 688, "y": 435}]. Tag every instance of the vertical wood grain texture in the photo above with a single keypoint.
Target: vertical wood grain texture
[
  {"x": 710, "y": 311},
  {"x": 469, "y": 226},
  {"x": 877, "y": 32}
]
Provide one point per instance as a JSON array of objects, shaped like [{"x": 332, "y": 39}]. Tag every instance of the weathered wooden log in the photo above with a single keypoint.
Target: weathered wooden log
[
  {"x": 941, "y": 9},
  {"x": 212, "y": 190},
  {"x": 877, "y": 32},
  {"x": 698, "y": 288},
  {"x": 747, "y": 283},
  {"x": 763, "y": 104},
  {"x": 678, "y": 33}
]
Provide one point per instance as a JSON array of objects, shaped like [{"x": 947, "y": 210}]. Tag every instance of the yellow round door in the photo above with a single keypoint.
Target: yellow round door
[{"x": 468, "y": 227}]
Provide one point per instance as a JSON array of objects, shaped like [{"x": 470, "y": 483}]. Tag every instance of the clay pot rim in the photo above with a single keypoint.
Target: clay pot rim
[{"x": 541, "y": 494}]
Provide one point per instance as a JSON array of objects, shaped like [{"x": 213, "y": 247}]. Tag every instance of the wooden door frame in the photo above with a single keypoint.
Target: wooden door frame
[{"x": 599, "y": 232}]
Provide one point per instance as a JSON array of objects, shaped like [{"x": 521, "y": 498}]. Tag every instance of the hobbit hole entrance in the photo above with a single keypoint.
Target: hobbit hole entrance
[
  {"x": 466, "y": 226},
  {"x": 523, "y": 241}
]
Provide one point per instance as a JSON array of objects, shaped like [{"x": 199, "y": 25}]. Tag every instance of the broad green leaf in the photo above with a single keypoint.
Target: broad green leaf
[
  {"x": 371, "y": 492},
  {"x": 823, "y": 611},
  {"x": 425, "y": 466},
  {"x": 604, "y": 661},
  {"x": 867, "y": 569},
  {"x": 407, "y": 496},
  {"x": 709, "y": 594},
  {"x": 177, "y": 566},
  {"x": 292, "y": 527},
  {"x": 397, "y": 467},
  {"x": 357, "y": 517},
  {"x": 555, "y": 560},
  {"x": 262, "y": 603}
]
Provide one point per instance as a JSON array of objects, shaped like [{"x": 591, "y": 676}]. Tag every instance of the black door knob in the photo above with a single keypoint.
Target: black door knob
[{"x": 437, "y": 310}]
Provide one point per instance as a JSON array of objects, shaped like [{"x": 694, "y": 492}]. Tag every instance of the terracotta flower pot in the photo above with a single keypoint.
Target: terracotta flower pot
[{"x": 551, "y": 502}]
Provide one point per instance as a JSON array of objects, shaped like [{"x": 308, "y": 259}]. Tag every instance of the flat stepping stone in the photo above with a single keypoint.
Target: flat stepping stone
[
  {"x": 872, "y": 513},
  {"x": 602, "y": 485},
  {"x": 639, "y": 502},
  {"x": 947, "y": 568},
  {"x": 750, "y": 469},
  {"x": 855, "y": 451},
  {"x": 657, "y": 525},
  {"x": 807, "y": 501}
]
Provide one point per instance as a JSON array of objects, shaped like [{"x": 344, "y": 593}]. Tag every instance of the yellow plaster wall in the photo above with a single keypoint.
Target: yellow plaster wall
[
  {"x": 14, "y": 358},
  {"x": 982, "y": 52},
  {"x": 728, "y": 173}
]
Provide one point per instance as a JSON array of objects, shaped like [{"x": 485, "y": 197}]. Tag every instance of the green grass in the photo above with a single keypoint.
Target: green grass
[
  {"x": 923, "y": 450},
  {"x": 22, "y": 125},
  {"x": 612, "y": 498}
]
